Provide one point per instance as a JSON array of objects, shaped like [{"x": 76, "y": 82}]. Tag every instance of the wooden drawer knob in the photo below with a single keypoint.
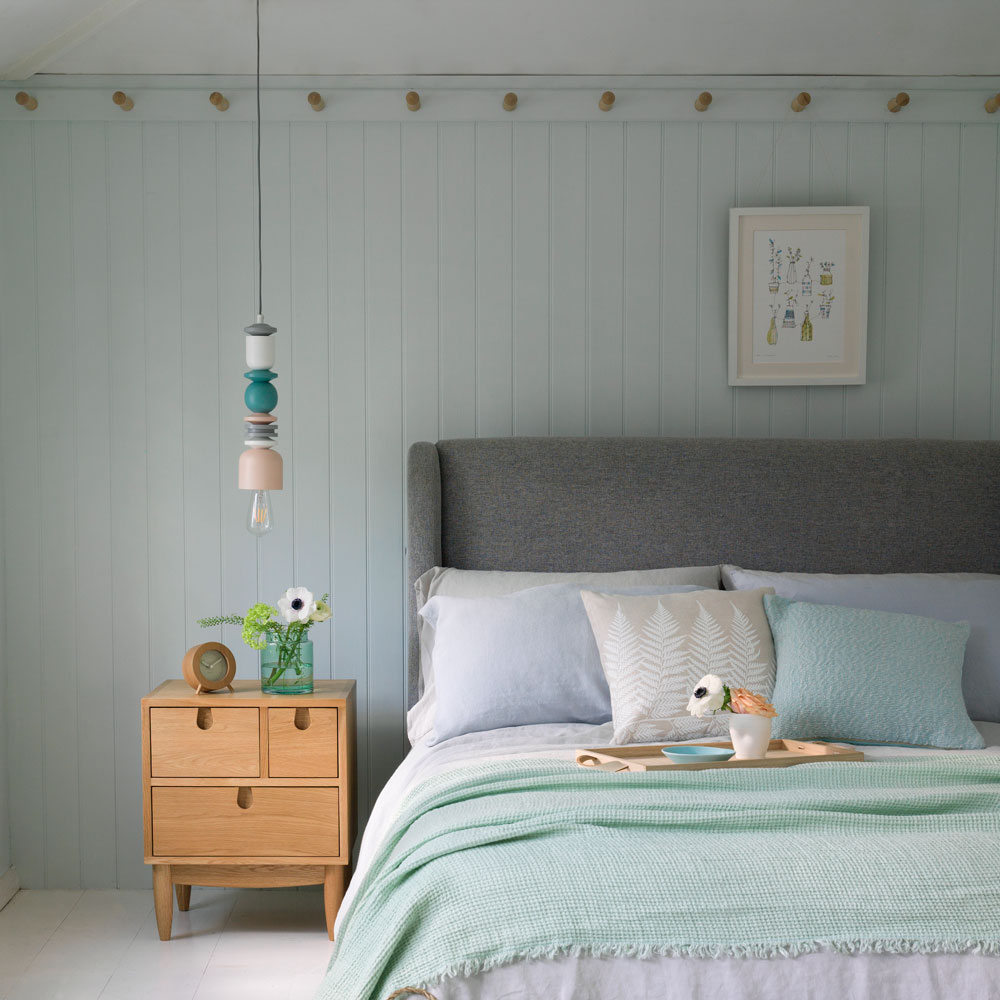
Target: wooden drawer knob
[
  {"x": 302, "y": 720},
  {"x": 244, "y": 797},
  {"x": 204, "y": 719}
]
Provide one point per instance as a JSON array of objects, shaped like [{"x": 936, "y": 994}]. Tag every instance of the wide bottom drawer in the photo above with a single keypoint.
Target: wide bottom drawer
[{"x": 246, "y": 821}]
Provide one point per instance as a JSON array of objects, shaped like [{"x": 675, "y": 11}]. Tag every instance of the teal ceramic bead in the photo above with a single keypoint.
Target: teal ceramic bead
[{"x": 260, "y": 396}]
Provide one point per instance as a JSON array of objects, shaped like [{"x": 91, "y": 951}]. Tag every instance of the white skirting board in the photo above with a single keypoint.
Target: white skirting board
[{"x": 9, "y": 885}]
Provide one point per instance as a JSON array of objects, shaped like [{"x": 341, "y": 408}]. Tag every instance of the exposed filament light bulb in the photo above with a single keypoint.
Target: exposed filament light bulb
[{"x": 259, "y": 518}]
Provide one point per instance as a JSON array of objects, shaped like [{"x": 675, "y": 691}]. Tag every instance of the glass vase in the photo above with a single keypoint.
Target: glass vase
[{"x": 287, "y": 668}]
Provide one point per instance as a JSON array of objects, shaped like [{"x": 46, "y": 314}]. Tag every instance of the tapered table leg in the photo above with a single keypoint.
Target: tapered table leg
[
  {"x": 183, "y": 897},
  {"x": 163, "y": 900},
  {"x": 334, "y": 883}
]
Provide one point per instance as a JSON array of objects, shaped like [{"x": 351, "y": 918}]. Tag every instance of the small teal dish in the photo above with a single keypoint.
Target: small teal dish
[{"x": 697, "y": 754}]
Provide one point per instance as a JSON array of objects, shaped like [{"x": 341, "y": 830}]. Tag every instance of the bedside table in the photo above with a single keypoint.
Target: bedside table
[{"x": 248, "y": 789}]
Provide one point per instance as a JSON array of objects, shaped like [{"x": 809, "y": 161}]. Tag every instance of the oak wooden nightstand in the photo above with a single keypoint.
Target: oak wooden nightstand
[{"x": 248, "y": 789}]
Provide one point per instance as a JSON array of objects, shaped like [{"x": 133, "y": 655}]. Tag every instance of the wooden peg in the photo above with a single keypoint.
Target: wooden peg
[
  {"x": 703, "y": 100},
  {"x": 509, "y": 102},
  {"x": 26, "y": 101},
  {"x": 316, "y": 101},
  {"x": 607, "y": 101},
  {"x": 123, "y": 100},
  {"x": 413, "y": 100},
  {"x": 899, "y": 101},
  {"x": 801, "y": 101},
  {"x": 218, "y": 101},
  {"x": 991, "y": 105}
]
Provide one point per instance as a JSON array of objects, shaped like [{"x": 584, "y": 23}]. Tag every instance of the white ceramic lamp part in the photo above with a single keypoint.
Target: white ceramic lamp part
[{"x": 260, "y": 351}]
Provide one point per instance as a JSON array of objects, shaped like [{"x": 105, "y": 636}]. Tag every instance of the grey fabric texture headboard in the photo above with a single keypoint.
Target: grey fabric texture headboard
[{"x": 604, "y": 504}]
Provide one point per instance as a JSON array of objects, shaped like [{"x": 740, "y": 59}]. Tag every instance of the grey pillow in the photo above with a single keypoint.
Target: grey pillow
[
  {"x": 449, "y": 582},
  {"x": 517, "y": 660},
  {"x": 952, "y": 597}
]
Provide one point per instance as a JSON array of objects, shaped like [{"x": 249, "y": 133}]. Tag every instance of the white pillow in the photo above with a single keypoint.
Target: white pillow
[
  {"x": 952, "y": 597},
  {"x": 448, "y": 582}
]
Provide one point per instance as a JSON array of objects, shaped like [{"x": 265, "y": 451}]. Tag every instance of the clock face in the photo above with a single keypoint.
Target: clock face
[{"x": 212, "y": 665}]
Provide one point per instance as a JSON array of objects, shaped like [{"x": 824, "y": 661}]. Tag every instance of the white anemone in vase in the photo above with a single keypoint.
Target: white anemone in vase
[
  {"x": 708, "y": 696},
  {"x": 297, "y": 605}
]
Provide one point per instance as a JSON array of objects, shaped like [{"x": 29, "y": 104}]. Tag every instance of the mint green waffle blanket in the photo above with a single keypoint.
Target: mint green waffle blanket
[{"x": 536, "y": 858}]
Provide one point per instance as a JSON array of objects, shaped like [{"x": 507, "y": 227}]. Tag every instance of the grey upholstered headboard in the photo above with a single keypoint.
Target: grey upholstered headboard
[{"x": 606, "y": 504}]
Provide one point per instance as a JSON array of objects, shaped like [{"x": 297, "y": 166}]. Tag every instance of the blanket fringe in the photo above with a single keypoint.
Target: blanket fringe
[
  {"x": 410, "y": 991},
  {"x": 897, "y": 946}
]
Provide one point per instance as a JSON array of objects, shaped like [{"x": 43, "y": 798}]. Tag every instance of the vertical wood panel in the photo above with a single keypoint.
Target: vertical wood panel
[
  {"x": 902, "y": 279},
  {"x": 643, "y": 217},
  {"x": 567, "y": 274},
  {"x": 349, "y": 418},
  {"x": 19, "y": 433},
  {"x": 679, "y": 293},
  {"x": 825, "y": 403},
  {"x": 275, "y": 564},
  {"x": 532, "y": 342},
  {"x": 164, "y": 388},
  {"x": 383, "y": 324},
  {"x": 420, "y": 281},
  {"x": 866, "y": 186},
  {"x": 129, "y": 521},
  {"x": 754, "y": 189},
  {"x": 199, "y": 337},
  {"x": 57, "y": 501},
  {"x": 310, "y": 401},
  {"x": 605, "y": 278},
  {"x": 494, "y": 318},
  {"x": 976, "y": 268},
  {"x": 237, "y": 307},
  {"x": 939, "y": 225},
  {"x": 716, "y": 197},
  {"x": 792, "y": 159},
  {"x": 94, "y": 654},
  {"x": 457, "y": 199}
]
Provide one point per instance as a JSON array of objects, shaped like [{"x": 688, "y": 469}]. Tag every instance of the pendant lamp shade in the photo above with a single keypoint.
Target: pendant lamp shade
[{"x": 260, "y": 469}]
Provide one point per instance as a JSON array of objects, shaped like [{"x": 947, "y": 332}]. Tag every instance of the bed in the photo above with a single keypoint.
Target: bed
[{"x": 604, "y": 505}]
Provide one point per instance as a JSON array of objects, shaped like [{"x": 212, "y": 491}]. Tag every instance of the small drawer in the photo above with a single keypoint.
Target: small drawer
[
  {"x": 204, "y": 742},
  {"x": 302, "y": 743},
  {"x": 246, "y": 821}
]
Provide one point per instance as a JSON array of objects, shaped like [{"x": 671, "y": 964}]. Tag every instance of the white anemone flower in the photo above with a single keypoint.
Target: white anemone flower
[
  {"x": 708, "y": 696},
  {"x": 297, "y": 605}
]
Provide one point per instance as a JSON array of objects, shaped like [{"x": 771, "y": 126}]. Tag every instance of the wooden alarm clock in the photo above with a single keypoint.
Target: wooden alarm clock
[{"x": 209, "y": 667}]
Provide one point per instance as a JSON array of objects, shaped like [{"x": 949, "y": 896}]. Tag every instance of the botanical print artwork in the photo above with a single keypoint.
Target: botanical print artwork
[
  {"x": 796, "y": 274},
  {"x": 652, "y": 665}
]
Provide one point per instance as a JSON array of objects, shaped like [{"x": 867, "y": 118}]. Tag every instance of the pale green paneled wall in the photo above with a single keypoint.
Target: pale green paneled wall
[{"x": 430, "y": 276}]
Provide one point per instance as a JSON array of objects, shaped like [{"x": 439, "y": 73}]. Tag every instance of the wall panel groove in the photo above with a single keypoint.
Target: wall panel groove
[{"x": 436, "y": 276}]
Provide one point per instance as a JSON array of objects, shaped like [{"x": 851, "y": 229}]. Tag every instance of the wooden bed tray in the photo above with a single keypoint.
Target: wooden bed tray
[{"x": 780, "y": 753}]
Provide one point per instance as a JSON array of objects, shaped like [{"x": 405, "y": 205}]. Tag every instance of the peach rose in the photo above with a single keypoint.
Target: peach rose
[{"x": 744, "y": 702}]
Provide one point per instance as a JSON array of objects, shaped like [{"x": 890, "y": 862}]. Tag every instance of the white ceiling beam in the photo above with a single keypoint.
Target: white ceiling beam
[{"x": 37, "y": 60}]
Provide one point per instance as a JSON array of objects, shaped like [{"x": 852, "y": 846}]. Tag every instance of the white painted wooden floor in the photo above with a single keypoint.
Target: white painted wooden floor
[{"x": 231, "y": 945}]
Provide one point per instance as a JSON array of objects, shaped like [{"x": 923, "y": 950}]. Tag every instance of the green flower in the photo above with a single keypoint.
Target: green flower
[{"x": 255, "y": 624}]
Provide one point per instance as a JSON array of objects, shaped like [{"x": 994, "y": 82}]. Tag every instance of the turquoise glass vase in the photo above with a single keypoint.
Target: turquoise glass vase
[{"x": 287, "y": 668}]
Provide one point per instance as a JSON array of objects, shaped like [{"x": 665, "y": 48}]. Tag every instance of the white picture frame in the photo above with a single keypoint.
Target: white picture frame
[{"x": 798, "y": 295}]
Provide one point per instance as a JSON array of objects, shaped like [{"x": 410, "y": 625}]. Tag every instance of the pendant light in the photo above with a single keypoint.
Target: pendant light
[{"x": 260, "y": 468}]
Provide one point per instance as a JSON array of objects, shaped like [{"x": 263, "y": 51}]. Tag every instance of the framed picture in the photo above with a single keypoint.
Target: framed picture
[{"x": 798, "y": 296}]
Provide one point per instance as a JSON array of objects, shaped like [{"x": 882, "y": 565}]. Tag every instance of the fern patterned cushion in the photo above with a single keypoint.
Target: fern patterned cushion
[{"x": 655, "y": 648}]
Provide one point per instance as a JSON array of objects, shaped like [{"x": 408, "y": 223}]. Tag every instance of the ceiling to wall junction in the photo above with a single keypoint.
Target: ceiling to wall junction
[{"x": 409, "y": 37}]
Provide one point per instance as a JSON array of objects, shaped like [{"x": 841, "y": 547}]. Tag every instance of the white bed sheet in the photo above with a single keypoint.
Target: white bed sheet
[{"x": 824, "y": 975}]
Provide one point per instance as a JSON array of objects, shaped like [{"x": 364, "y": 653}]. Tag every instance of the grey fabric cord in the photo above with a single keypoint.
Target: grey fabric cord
[{"x": 605, "y": 504}]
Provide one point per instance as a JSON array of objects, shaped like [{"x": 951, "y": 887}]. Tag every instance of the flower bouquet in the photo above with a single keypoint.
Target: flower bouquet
[
  {"x": 750, "y": 714},
  {"x": 286, "y": 652}
]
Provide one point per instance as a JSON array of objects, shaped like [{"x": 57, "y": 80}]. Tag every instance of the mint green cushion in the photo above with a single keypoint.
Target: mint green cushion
[{"x": 868, "y": 676}]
